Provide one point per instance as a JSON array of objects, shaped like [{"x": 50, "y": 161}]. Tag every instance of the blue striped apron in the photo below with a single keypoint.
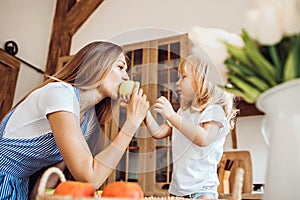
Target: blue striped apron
[{"x": 22, "y": 157}]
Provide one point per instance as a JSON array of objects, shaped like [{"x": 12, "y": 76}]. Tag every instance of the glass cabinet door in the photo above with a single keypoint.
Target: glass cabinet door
[
  {"x": 168, "y": 61},
  {"x": 127, "y": 169}
]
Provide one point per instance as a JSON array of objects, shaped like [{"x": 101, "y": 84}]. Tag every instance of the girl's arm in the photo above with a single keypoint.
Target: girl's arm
[
  {"x": 157, "y": 132},
  {"x": 201, "y": 135},
  {"x": 75, "y": 151}
]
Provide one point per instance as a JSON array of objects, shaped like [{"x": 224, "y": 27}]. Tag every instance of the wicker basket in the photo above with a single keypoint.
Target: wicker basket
[{"x": 42, "y": 195}]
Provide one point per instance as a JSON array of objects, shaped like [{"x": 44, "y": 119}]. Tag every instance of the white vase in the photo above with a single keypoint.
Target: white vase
[{"x": 281, "y": 105}]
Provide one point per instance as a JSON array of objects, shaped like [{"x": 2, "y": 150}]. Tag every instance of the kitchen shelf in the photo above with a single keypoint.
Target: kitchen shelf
[{"x": 246, "y": 109}]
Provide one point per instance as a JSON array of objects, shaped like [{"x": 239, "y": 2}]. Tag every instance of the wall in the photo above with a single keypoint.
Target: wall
[
  {"x": 250, "y": 138},
  {"x": 115, "y": 17},
  {"x": 29, "y": 24}
]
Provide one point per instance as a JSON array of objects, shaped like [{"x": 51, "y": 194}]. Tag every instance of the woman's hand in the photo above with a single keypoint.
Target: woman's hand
[
  {"x": 124, "y": 100},
  {"x": 163, "y": 106},
  {"x": 138, "y": 105}
]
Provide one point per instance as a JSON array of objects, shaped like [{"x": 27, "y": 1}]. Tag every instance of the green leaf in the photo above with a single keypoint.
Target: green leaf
[
  {"x": 249, "y": 90},
  {"x": 238, "y": 92},
  {"x": 248, "y": 41},
  {"x": 262, "y": 65},
  {"x": 251, "y": 78},
  {"x": 290, "y": 67},
  {"x": 292, "y": 64},
  {"x": 260, "y": 84},
  {"x": 238, "y": 54},
  {"x": 277, "y": 63},
  {"x": 297, "y": 52},
  {"x": 238, "y": 68}
]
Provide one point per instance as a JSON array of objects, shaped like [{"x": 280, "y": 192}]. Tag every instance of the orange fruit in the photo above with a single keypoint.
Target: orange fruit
[
  {"x": 122, "y": 189},
  {"x": 75, "y": 189}
]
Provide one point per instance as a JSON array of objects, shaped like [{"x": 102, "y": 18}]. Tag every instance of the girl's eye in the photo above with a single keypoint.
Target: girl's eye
[{"x": 182, "y": 76}]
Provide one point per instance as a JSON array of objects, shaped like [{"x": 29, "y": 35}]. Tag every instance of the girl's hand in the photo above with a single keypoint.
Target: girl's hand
[
  {"x": 163, "y": 106},
  {"x": 138, "y": 105}
]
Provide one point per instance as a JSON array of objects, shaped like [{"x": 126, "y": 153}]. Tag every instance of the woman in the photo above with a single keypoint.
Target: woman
[{"x": 55, "y": 121}]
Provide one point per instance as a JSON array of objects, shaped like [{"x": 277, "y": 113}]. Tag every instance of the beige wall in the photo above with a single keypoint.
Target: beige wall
[{"x": 28, "y": 23}]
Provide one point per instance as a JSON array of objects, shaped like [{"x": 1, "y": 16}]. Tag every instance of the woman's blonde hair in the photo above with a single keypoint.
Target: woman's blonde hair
[
  {"x": 87, "y": 69},
  {"x": 207, "y": 93}
]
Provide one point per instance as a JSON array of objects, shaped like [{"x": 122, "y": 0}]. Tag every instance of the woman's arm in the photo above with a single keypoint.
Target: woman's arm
[{"x": 75, "y": 151}]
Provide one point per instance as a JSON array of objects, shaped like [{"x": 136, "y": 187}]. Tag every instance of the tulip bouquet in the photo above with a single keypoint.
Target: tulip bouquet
[{"x": 267, "y": 53}]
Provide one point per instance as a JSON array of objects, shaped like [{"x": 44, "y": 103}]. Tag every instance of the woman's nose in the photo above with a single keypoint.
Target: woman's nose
[{"x": 126, "y": 77}]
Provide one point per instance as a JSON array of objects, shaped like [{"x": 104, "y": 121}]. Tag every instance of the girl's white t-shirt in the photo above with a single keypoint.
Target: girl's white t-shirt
[
  {"x": 30, "y": 117},
  {"x": 195, "y": 167}
]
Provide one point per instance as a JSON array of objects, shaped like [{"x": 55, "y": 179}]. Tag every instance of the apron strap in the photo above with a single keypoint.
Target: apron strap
[
  {"x": 4, "y": 122},
  {"x": 84, "y": 124}
]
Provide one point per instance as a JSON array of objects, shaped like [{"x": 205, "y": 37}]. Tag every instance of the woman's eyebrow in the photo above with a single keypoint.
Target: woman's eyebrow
[{"x": 122, "y": 61}]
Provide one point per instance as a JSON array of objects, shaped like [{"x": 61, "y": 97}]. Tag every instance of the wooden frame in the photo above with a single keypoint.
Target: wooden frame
[
  {"x": 9, "y": 69},
  {"x": 62, "y": 61},
  {"x": 69, "y": 16}
]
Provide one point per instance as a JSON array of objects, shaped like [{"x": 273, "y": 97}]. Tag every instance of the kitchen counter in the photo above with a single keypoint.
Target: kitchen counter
[{"x": 245, "y": 196}]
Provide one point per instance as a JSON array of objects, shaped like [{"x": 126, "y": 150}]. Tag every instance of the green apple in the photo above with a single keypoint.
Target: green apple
[{"x": 126, "y": 87}]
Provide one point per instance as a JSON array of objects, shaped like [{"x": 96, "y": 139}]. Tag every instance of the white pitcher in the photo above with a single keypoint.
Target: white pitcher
[{"x": 281, "y": 129}]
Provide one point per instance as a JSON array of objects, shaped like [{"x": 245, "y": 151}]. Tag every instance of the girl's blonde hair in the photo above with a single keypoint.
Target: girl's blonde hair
[
  {"x": 207, "y": 93},
  {"x": 87, "y": 69}
]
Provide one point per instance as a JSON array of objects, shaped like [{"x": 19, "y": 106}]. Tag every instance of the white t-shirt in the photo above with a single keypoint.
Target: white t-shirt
[
  {"x": 193, "y": 166},
  {"x": 30, "y": 117}
]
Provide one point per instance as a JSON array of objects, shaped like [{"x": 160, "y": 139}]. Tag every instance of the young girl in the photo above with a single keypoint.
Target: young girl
[
  {"x": 198, "y": 130},
  {"x": 61, "y": 121}
]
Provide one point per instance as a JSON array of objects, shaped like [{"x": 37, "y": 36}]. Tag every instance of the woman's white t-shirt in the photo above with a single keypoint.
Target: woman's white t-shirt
[
  {"x": 195, "y": 167},
  {"x": 30, "y": 117}
]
